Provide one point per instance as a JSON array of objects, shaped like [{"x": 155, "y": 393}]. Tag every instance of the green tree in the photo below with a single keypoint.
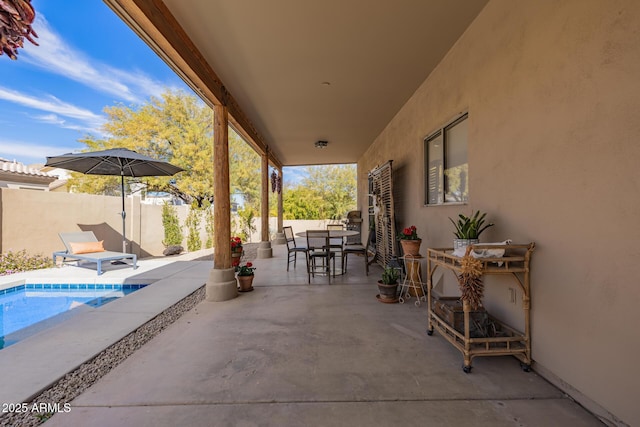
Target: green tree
[
  {"x": 177, "y": 128},
  {"x": 327, "y": 192},
  {"x": 244, "y": 171}
]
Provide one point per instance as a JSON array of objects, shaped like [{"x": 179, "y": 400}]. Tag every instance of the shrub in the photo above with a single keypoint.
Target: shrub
[
  {"x": 209, "y": 228},
  {"x": 246, "y": 217},
  {"x": 15, "y": 262},
  {"x": 194, "y": 243},
  {"x": 171, "y": 224}
]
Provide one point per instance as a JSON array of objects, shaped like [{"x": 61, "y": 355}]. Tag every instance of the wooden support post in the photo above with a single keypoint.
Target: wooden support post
[
  {"x": 280, "y": 239},
  {"x": 280, "y": 205},
  {"x": 221, "y": 285},
  {"x": 264, "y": 250}
]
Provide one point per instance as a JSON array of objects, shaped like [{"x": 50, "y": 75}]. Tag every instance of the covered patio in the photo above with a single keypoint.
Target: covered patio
[
  {"x": 549, "y": 95},
  {"x": 290, "y": 353}
]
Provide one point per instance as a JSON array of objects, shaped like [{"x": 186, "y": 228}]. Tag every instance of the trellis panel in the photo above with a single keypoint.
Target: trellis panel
[{"x": 381, "y": 181}]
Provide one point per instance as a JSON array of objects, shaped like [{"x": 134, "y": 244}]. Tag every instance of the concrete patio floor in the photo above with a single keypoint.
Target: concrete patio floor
[{"x": 290, "y": 353}]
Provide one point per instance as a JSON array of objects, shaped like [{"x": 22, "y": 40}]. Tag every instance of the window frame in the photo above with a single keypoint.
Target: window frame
[{"x": 441, "y": 185}]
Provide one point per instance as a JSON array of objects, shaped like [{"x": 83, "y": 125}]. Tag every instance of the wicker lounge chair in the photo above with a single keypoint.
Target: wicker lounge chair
[{"x": 84, "y": 246}]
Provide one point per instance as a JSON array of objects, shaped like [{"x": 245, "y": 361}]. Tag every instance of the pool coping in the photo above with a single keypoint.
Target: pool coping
[{"x": 32, "y": 365}]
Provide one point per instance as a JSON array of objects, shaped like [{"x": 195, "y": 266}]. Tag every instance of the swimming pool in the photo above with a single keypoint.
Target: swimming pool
[{"x": 24, "y": 307}]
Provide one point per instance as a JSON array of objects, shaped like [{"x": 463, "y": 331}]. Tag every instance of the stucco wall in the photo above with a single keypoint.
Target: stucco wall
[
  {"x": 552, "y": 92},
  {"x": 31, "y": 220}
]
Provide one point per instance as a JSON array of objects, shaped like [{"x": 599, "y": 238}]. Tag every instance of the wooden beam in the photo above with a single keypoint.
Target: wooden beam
[
  {"x": 154, "y": 23},
  {"x": 221, "y": 189},
  {"x": 280, "y": 202},
  {"x": 264, "y": 204}
]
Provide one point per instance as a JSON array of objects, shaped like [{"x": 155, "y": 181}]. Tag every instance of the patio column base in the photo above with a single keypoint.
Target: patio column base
[
  {"x": 222, "y": 285},
  {"x": 280, "y": 239},
  {"x": 264, "y": 250}
]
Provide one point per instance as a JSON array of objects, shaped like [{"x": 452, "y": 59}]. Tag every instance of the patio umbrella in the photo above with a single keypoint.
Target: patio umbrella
[{"x": 116, "y": 161}]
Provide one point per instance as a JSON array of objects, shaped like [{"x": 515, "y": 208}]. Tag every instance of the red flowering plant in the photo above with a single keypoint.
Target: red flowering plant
[
  {"x": 236, "y": 247},
  {"x": 409, "y": 233},
  {"x": 236, "y": 244},
  {"x": 245, "y": 270}
]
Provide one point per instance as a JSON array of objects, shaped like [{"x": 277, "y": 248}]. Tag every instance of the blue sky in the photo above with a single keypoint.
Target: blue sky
[
  {"x": 55, "y": 93},
  {"x": 88, "y": 59}
]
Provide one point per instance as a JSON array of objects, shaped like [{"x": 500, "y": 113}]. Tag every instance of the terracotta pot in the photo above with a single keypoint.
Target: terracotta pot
[
  {"x": 245, "y": 283},
  {"x": 411, "y": 247},
  {"x": 235, "y": 258}
]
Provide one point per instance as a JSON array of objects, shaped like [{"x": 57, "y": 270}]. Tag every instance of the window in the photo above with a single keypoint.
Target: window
[{"x": 446, "y": 164}]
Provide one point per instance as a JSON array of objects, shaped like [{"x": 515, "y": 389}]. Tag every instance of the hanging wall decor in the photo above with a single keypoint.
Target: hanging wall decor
[{"x": 274, "y": 181}]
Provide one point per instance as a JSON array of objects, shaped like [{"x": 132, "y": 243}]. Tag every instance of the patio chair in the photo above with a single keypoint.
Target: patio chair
[
  {"x": 336, "y": 243},
  {"x": 356, "y": 249},
  {"x": 318, "y": 250},
  {"x": 292, "y": 248},
  {"x": 84, "y": 246}
]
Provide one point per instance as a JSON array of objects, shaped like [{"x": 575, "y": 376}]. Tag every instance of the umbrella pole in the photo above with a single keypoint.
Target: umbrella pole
[{"x": 124, "y": 215}]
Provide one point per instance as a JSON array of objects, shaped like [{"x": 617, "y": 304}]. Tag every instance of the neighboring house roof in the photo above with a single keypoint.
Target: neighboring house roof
[{"x": 16, "y": 172}]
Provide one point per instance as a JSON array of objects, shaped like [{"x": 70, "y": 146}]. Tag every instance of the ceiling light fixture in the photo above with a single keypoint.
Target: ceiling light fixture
[{"x": 321, "y": 144}]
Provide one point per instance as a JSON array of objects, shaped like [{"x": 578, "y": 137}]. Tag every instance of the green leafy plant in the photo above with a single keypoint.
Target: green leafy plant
[
  {"x": 246, "y": 217},
  {"x": 194, "y": 243},
  {"x": 246, "y": 270},
  {"x": 208, "y": 226},
  {"x": 16, "y": 262},
  {"x": 390, "y": 276},
  {"x": 171, "y": 225},
  {"x": 470, "y": 227}
]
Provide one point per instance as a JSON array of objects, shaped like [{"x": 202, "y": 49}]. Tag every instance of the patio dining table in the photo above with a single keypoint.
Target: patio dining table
[{"x": 334, "y": 234}]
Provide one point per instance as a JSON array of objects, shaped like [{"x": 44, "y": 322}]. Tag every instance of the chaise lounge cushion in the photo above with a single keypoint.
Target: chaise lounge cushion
[{"x": 86, "y": 247}]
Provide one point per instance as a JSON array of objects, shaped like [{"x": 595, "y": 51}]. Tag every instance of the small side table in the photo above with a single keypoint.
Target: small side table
[{"x": 412, "y": 284}]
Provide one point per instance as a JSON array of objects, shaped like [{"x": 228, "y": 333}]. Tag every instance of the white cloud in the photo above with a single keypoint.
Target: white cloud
[
  {"x": 50, "y": 118},
  {"x": 32, "y": 153},
  {"x": 57, "y": 56},
  {"x": 54, "y": 119},
  {"x": 53, "y": 105}
]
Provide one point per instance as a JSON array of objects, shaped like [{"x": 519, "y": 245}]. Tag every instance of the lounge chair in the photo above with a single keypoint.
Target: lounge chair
[{"x": 84, "y": 246}]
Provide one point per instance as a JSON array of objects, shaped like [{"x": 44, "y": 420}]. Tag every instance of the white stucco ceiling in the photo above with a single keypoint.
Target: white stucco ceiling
[{"x": 275, "y": 56}]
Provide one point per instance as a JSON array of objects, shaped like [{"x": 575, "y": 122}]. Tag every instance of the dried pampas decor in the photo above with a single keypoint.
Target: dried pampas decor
[
  {"x": 470, "y": 280},
  {"x": 16, "y": 17}
]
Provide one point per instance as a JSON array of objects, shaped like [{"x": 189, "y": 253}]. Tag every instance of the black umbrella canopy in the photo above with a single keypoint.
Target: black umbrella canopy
[{"x": 116, "y": 161}]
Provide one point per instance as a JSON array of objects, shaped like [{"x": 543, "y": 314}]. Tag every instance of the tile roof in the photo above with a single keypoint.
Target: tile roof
[{"x": 21, "y": 169}]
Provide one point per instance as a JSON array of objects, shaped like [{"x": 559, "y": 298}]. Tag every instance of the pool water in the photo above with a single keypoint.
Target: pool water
[{"x": 23, "y": 306}]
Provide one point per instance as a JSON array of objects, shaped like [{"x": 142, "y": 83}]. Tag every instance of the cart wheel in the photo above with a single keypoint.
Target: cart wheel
[
  {"x": 525, "y": 367},
  {"x": 466, "y": 369},
  {"x": 429, "y": 332}
]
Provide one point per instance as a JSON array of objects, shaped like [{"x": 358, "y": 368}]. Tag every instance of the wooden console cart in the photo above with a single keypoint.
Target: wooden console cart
[{"x": 500, "y": 338}]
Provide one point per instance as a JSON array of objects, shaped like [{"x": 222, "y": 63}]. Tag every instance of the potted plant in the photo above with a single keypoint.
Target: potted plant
[
  {"x": 245, "y": 277},
  {"x": 388, "y": 285},
  {"x": 469, "y": 228},
  {"x": 236, "y": 251},
  {"x": 410, "y": 241}
]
